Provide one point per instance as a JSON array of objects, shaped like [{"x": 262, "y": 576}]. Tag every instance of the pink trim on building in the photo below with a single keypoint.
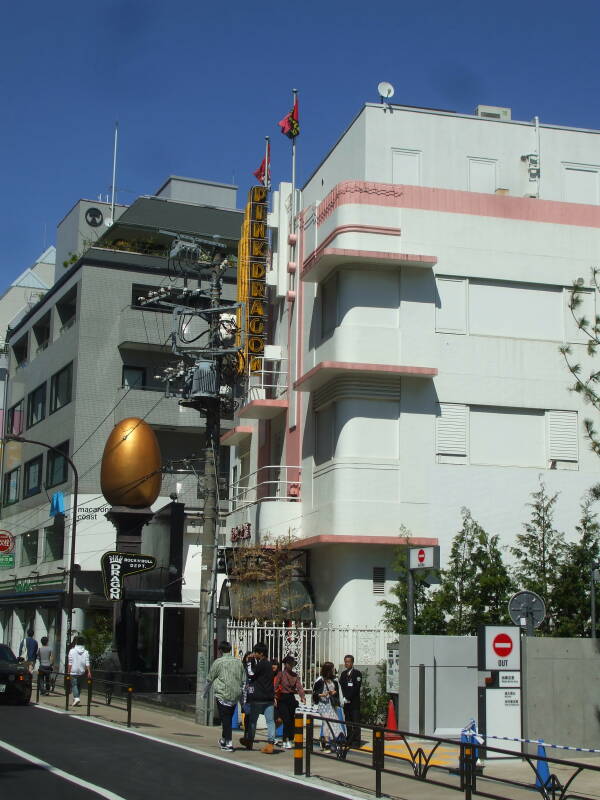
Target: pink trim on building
[
  {"x": 326, "y": 370},
  {"x": 389, "y": 541},
  {"x": 457, "y": 201},
  {"x": 263, "y": 409},
  {"x": 235, "y": 435},
  {"x": 330, "y": 257}
]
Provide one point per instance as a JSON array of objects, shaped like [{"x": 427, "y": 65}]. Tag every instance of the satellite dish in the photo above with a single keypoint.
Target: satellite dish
[
  {"x": 386, "y": 90},
  {"x": 527, "y": 610}
]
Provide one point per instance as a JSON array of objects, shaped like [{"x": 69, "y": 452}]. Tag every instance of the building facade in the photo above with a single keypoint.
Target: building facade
[
  {"x": 418, "y": 302},
  {"x": 86, "y": 356}
]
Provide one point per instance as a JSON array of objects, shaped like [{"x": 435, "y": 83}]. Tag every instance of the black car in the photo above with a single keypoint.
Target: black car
[{"x": 15, "y": 678}]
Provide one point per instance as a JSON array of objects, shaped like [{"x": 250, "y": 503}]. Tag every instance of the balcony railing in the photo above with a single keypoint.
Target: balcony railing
[
  {"x": 274, "y": 482},
  {"x": 268, "y": 384}
]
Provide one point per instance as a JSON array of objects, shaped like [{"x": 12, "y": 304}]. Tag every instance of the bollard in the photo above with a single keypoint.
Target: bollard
[
  {"x": 129, "y": 693},
  {"x": 298, "y": 745},
  {"x": 37, "y": 689},
  {"x": 378, "y": 755},
  {"x": 89, "y": 697},
  {"x": 309, "y": 743},
  {"x": 468, "y": 767},
  {"x": 67, "y": 685}
]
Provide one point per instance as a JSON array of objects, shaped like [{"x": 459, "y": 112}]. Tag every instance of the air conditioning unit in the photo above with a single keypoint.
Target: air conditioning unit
[{"x": 493, "y": 112}]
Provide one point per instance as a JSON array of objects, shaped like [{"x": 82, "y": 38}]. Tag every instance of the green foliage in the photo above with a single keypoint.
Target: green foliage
[
  {"x": 539, "y": 553},
  {"x": 98, "y": 637},
  {"x": 374, "y": 700},
  {"x": 571, "y": 597},
  {"x": 476, "y": 586}
]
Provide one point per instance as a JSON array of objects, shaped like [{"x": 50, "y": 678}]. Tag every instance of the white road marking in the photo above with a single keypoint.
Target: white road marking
[
  {"x": 92, "y": 787},
  {"x": 310, "y": 783}
]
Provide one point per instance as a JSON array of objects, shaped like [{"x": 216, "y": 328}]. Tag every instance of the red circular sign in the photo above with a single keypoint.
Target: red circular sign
[
  {"x": 421, "y": 556},
  {"x": 7, "y": 542},
  {"x": 502, "y": 645}
]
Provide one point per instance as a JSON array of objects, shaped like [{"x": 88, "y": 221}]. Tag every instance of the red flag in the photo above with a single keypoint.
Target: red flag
[
  {"x": 289, "y": 125},
  {"x": 263, "y": 173}
]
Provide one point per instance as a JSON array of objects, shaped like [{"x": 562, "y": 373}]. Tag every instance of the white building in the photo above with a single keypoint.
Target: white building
[{"x": 417, "y": 313}]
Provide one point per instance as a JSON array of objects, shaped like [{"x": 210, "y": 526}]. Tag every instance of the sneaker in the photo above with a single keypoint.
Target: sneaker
[
  {"x": 225, "y": 745},
  {"x": 287, "y": 744},
  {"x": 76, "y": 702}
]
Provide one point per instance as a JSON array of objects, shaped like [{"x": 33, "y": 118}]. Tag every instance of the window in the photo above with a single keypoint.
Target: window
[
  {"x": 41, "y": 333},
  {"x": 516, "y": 310},
  {"x": 580, "y": 183},
  {"x": 61, "y": 387},
  {"x": 378, "y": 580},
  {"x": 36, "y": 405},
  {"x": 14, "y": 418},
  {"x": 324, "y": 434},
  {"x": 482, "y": 175},
  {"x": 406, "y": 167},
  {"x": 29, "y": 548},
  {"x": 54, "y": 543},
  {"x": 57, "y": 466},
  {"x": 32, "y": 476},
  {"x": 20, "y": 350},
  {"x": 507, "y": 436},
  {"x": 66, "y": 308},
  {"x": 561, "y": 436},
  {"x": 134, "y": 377},
  {"x": 451, "y": 305},
  {"x": 11, "y": 486}
]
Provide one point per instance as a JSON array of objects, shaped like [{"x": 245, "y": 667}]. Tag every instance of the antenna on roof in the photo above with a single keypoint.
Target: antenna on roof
[
  {"x": 386, "y": 91},
  {"x": 111, "y": 220}
]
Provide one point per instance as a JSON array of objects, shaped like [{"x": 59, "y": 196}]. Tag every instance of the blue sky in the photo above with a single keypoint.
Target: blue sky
[{"x": 196, "y": 86}]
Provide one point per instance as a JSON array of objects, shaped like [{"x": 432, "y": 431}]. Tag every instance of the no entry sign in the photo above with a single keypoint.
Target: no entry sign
[
  {"x": 424, "y": 558},
  {"x": 500, "y": 648},
  {"x": 7, "y": 542}
]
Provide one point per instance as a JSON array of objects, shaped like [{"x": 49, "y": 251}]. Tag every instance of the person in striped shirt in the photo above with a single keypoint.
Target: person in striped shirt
[{"x": 227, "y": 676}]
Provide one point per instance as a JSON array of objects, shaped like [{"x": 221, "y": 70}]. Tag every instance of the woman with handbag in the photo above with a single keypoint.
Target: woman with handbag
[
  {"x": 287, "y": 686},
  {"x": 328, "y": 697}
]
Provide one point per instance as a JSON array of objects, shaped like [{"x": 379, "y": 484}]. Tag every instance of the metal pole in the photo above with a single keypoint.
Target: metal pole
[
  {"x": 161, "y": 622},
  {"x": 593, "y": 599},
  {"x": 210, "y": 527},
  {"x": 293, "y": 226},
  {"x": 410, "y": 603},
  {"x": 114, "y": 174}
]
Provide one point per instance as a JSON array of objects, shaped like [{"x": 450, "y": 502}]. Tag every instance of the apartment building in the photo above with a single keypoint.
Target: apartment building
[
  {"x": 418, "y": 302},
  {"x": 86, "y": 356}
]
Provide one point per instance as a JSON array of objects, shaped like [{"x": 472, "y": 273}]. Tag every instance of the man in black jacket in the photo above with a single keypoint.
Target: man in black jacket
[
  {"x": 351, "y": 681},
  {"x": 262, "y": 697}
]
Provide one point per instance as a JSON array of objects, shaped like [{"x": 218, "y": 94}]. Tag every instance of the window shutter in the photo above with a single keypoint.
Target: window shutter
[
  {"x": 378, "y": 580},
  {"x": 561, "y": 429},
  {"x": 451, "y": 430}
]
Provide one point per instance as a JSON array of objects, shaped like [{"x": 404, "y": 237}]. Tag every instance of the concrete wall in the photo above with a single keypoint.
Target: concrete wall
[{"x": 562, "y": 696}]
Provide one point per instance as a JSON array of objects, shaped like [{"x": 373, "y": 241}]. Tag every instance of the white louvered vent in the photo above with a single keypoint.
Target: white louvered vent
[
  {"x": 561, "y": 429},
  {"x": 378, "y": 580},
  {"x": 451, "y": 430}
]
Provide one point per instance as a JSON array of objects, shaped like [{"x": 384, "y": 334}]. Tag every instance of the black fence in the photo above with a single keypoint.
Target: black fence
[
  {"x": 466, "y": 777},
  {"x": 96, "y": 686}
]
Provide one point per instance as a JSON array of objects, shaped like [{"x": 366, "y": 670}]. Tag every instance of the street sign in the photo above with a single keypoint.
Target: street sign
[
  {"x": 7, "y": 560},
  {"x": 499, "y": 647},
  {"x": 424, "y": 558},
  {"x": 527, "y": 609},
  {"x": 507, "y": 680},
  {"x": 7, "y": 542}
]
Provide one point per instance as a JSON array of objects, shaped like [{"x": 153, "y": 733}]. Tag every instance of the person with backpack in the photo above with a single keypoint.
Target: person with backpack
[
  {"x": 28, "y": 649},
  {"x": 78, "y": 666}
]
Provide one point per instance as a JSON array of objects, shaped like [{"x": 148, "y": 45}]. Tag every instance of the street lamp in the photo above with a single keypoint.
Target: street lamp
[
  {"x": 595, "y": 576},
  {"x": 10, "y": 437}
]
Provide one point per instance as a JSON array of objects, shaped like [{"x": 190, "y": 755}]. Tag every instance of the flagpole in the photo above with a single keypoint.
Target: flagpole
[
  {"x": 267, "y": 170},
  {"x": 114, "y": 174},
  {"x": 294, "y": 96}
]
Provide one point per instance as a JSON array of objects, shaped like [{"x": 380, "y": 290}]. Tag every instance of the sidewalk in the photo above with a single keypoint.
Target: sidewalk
[{"x": 327, "y": 772}]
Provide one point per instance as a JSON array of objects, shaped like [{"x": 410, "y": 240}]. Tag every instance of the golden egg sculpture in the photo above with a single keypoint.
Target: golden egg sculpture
[{"x": 130, "y": 472}]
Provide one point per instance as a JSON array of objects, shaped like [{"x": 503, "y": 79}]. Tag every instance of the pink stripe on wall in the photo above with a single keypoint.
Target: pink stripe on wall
[{"x": 458, "y": 202}]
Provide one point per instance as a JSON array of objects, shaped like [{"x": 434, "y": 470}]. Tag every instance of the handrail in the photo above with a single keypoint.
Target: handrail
[
  {"x": 547, "y": 784},
  {"x": 109, "y": 685},
  {"x": 239, "y": 493}
]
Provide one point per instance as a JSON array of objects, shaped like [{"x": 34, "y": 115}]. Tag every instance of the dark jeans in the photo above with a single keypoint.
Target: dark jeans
[
  {"x": 226, "y": 713},
  {"x": 44, "y": 678},
  {"x": 286, "y": 706},
  {"x": 352, "y": 715}
]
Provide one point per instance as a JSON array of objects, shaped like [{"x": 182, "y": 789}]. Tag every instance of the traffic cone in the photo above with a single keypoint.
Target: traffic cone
[
  {"x": 391, "y": 723},
  {"x": 542, "y": 767}
]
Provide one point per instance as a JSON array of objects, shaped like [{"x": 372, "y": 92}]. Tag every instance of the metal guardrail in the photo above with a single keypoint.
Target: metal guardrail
[
  {"x": 467, "y": 777},
  {"x": 106, "y": 687}
]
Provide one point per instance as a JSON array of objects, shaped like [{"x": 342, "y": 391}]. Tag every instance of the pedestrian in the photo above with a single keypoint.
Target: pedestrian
[
  {"x": 287, "y": 686},
  {"x": 247, "y": 691},
  {"x": 262, "y": 698},
  {"x": 78, "y": 666},
  {"x": 351, "y": 683},
  {"x": 46, "y": 659},
  {"x": 227, "y": 676},
  {"x": 28, "y": 650},
  {"x": 328, "y": 697}
]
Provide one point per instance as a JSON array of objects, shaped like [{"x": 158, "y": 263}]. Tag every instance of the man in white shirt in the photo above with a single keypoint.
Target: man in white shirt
[{"x": 79, "y": 665}]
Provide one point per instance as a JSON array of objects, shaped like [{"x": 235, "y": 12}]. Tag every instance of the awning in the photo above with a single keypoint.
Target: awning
[{"x": 28, "y": 598}]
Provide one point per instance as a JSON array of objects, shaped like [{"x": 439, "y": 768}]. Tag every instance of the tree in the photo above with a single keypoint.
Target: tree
[
  {"x": 539, "y": 553},
  {"x": 427, "y": 615},
  {"x": 586, "y": 385},
  {"x": 476, "y": 585},
  {"x": 572, "y": 593}
]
